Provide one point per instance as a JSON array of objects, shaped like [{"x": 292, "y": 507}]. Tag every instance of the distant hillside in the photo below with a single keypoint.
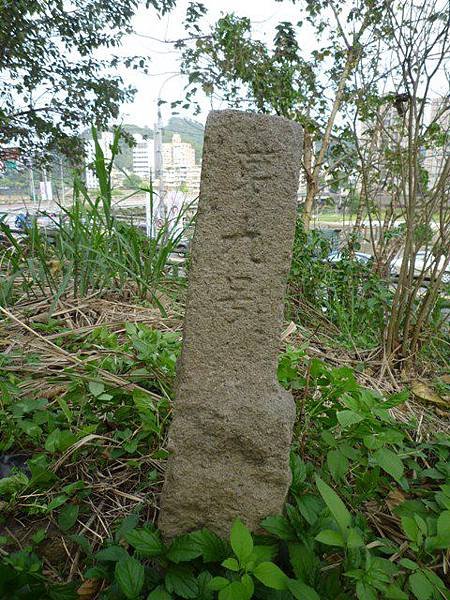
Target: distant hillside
[{"x": 190, "y": 131}]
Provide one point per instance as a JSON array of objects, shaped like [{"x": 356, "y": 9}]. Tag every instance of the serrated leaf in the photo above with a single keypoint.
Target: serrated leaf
[
  {"x": 241, "y": 541},
  {"x": 271, "y": 576},
  {"x": 112, "y": 553},
  {"x": 180, "y": 580},
  {"x": 335, "y": 505},
  {"x": 214, "y": 549},
  {"x": 145, "y": 541},
  {"x": 129, "y": 574},
  {"x": 337, "y": 464},
  {"x": 347, "y": 418},
  {"x": 280, "y": 527},
  {"x": 68, "y": 516},
  {"x": 234, "y": 591},
  {"x": 389, "y": 462},
  {"x": 184, "y": 548},
  {"x": 330, "y": 537},
  {"x": 218, "y": 583},
  {"x": 160, "y": 593},
  {"x": 301, "y": 591},
  {"x": 365, "y": 592}
]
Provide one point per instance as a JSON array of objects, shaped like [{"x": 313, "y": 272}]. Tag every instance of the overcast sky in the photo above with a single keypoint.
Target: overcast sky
[
  {"x": 265, "y": 15},
  {"x": 164, "y": 71}
]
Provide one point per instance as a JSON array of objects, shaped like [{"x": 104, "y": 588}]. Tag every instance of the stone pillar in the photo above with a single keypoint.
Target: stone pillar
[{"x": 232, "y": 427}]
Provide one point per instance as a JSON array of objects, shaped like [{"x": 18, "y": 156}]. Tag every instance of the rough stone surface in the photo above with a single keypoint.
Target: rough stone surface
[{"x": 232, "y": 426}]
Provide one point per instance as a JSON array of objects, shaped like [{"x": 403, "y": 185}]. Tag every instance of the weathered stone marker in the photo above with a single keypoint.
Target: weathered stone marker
[{"x": 232, "y": 425}]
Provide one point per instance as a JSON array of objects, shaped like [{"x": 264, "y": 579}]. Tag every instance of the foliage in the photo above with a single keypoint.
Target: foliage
[
  {"x": 349, "y": 455},
  {"x": 346, "y": 293},
  {"x": 88, "y": 249},
  {"x": 47, "y": 46}
]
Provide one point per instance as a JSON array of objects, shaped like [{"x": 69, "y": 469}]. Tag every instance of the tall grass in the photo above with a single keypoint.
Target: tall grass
[{"x": 90, "y": 250}]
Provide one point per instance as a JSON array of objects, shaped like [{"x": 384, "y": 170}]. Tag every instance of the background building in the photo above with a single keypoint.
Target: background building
[{"x": 143, "y": 157}]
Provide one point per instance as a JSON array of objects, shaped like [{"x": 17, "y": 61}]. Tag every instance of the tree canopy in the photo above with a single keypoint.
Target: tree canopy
[{"x": 52, "y": 78}]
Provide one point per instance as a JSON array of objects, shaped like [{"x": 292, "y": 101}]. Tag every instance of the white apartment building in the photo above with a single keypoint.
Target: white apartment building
[
  {"x": 179, "y": 168},
  {"x": 105, "y": 142},
  {"x": 143, "y": 157}
]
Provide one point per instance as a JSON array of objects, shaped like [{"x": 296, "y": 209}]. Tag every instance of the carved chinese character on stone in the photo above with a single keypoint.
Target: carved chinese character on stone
[{"x": 232, "y": 427}]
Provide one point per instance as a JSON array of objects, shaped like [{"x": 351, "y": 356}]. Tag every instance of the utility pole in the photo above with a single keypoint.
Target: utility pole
[
  {"x": 33, "y": 191},
  {"x": 63, "y": 191}
]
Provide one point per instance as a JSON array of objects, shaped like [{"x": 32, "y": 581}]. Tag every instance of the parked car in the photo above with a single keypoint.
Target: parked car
[
  {"x": 424, "y": 263},
  {"x": 361, "y": 257}
]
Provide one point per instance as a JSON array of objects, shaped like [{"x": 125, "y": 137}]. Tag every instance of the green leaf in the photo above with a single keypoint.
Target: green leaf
[
  {"x": 112, "y": 553},
  {"x": 96, "y": 388},
  {"x": 410, "y": 527},
  {"x": 218, "y": 583},
  {"x": 234, "y": 591},
  {"x": 347, "y": 418},
  {"x": 443, "y": 527},
  {"x": 330, "y": 537},
  {"x": 160, "y": 593},
  {"x": 68, "y": 516},
  {"x": 337, "y": 464},
  {"x": 354, "y": 539},
  {"x": 271, "y": 576},
  {"x": 280, "y": 527},
  {"x": 389, "y": 462},
  {"x": 180, "y": 580},
  {"x": 301, "y": 591},
  {"x": 248, "y": 584},
  {"x": 241, "y": 541},
  {"x": 145, "y": 541},
  {"x": 184, "y": 548},
  {"x": 420, "y": 586},
  {"x": 365, "y": 592},
  {"x": 130, "y": 577},
  {"x": 231, "y": 564},
  {"x": 393, "y": 592},
  {"x": 335, "y": 505},
  {"x": 214, "y": 549},
  {"x": 59, "y": 441}
]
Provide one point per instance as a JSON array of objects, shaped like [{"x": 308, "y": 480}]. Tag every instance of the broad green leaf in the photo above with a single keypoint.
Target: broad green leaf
[
  {"x": 130, "y": 577},
  {"x": 234, "y": 591},
  {"x": 214, "y": 549},
  {"x": 160, "y": 593},
  {"x": 410, "y": 527},
  {"x": 184, "y": 548},
  {"x": 335, "y": 505},
  {"x": 420, "y": 586},
  {"x": 301, "y": 591},
  {"x": 365, "y": 592},
  {"x": 271, "y": 575},
  {"x": 389, "y": 462},
  {"x": 443, "y": 526},
  {"x": 393, "y": 592},
  {"x": 331, "y": 538},
  {"x": 337, "y": 464},
  {"x": 241, "y": 541},
  {"x": 347, "y": 418},
  {"x": 180, "y": 580},
  {"x": 248, "y": 584},
  {"x": 96, "y": 388},
  {"x": 354, "y": 539},
  {"x": 218, "y": 583},
  {"x": 280, "y": 527},
  {"x": 145, "y": 541},
  {"x": 68, "y": 516},
  {"x": 112, "y": 553},
  {"x": 231, "y": 564}
]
